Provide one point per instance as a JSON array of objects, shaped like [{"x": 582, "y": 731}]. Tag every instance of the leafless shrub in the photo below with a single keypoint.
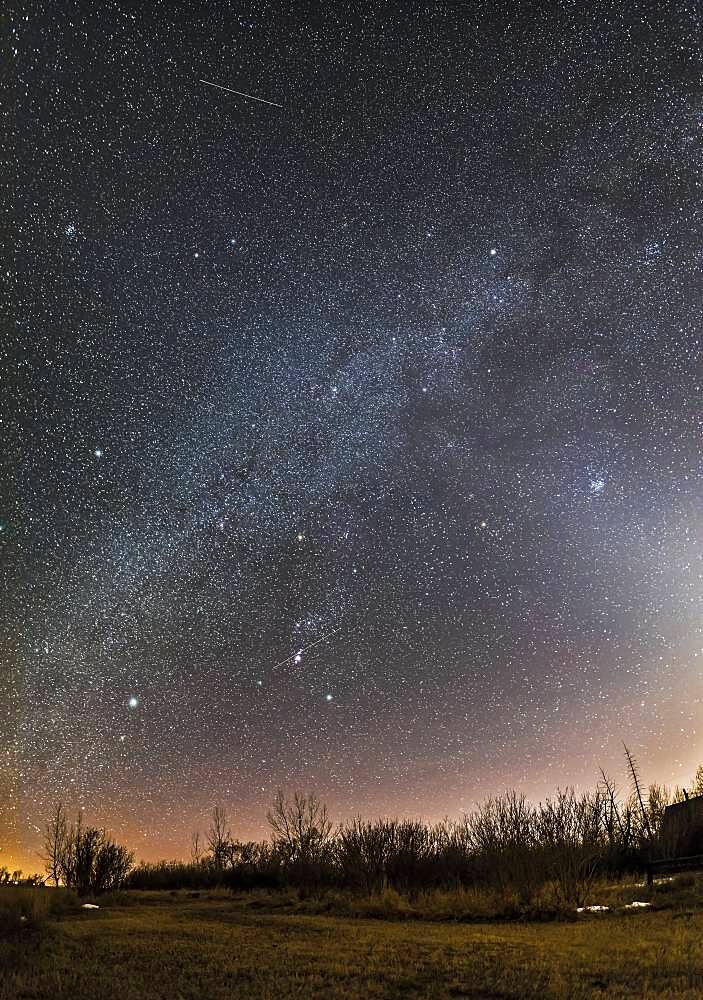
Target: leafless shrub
[
  {"x": 87, "y": 860},
  {"x": 362, "y": 854},
  {"x": 501, "y": 836},
  {"x": 568, "y": 832}
]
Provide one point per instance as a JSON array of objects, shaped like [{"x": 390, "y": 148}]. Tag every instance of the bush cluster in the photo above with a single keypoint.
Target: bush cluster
[{"x": 84, "y": 858}]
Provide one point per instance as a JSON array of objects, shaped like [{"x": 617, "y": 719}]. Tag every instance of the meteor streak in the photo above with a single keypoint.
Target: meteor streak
[
  {"x": 241, "y": 93},
  {"x": 304, "y": 649}
]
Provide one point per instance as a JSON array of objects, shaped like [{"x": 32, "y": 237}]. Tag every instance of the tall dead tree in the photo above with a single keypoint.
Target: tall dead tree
[{"x": 637, "y": 786}]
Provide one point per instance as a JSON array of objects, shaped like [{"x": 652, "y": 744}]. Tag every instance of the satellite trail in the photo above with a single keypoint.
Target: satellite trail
[{"x": 241, "y": 93}]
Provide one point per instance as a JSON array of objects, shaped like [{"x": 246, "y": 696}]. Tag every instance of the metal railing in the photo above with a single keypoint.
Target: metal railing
[{"x": 668, "y": 866}]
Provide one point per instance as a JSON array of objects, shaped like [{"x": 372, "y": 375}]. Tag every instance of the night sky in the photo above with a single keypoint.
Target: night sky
[{"x": 408, "y": 369}]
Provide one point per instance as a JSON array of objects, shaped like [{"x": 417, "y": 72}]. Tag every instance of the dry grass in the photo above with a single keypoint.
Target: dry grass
[
  {"x": 26, "y": 908},
  {"x": 214, "y": 947}
]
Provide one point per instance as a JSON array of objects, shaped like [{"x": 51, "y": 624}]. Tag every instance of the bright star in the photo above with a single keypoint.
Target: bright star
[
  {"x": 133, "y": 702},
  {"x": 98, "y": 453}
]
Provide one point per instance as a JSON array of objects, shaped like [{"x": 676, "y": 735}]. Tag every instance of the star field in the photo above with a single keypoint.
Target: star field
[{"x": 401, "y": 382}]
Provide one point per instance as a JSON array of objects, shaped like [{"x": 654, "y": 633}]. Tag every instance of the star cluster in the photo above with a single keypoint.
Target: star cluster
[{"x": 400, "y": 382}]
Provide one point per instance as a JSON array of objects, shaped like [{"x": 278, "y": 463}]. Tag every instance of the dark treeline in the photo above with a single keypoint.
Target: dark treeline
[
  {"x": 508, "y": 845},
  {"x": 18, "y": 877}
]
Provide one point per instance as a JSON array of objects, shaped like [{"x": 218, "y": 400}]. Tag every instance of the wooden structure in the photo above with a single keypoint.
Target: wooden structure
[
  {"x": 682, "y": 827},
  {"x": 681, "y": 838}
]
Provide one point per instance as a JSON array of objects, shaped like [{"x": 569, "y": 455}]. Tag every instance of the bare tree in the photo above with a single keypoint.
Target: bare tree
[
  {"x": 300, "y": 826},
  {"x": 196, "y": 848},
  {"x": 219, "y": 838},
  {"x": 54, "y": 846},
  {"x": 611, "y": 813}
]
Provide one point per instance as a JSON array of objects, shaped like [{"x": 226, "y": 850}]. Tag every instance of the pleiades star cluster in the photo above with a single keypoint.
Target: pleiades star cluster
[{"x": 399, "y": 381}]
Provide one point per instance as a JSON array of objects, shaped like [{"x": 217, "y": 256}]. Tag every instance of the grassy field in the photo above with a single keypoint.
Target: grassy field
[{"x": 157, "y": 945}]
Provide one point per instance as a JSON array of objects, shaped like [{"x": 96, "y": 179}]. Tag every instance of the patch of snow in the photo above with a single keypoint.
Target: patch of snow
[
  {"x": 592, "y": 909},
  {"x": 90, "y": 906},
  {"x": 637, "y": 905}
]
